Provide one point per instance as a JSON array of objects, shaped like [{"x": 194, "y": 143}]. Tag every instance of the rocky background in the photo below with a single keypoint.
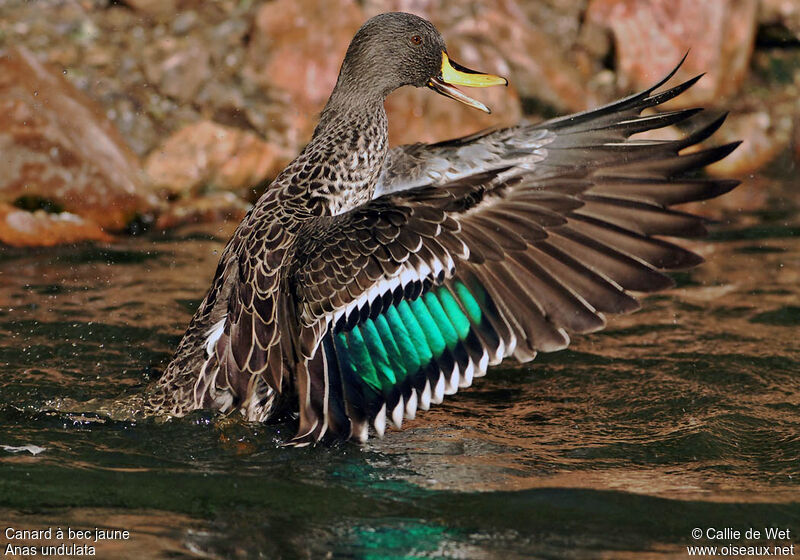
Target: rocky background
[{"x": 118, "y": 116}]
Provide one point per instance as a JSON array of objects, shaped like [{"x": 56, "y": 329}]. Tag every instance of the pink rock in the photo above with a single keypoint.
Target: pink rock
[
  {"x": 298, "y": 47},
  {"x": 207, "y": 154},
  {"x": 20, "y": 228},
  {"x": 57, "y": 145},
  {"x": 651, "y": 36}
]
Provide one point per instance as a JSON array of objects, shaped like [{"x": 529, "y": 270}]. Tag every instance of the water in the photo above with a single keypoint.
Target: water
[{"x": 684, "y": 415}]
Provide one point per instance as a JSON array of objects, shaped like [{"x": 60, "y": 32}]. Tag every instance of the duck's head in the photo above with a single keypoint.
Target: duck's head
[{"x": 398, "y": 49}]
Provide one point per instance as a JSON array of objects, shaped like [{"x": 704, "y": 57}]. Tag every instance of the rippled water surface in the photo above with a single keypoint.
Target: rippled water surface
[{"x": 683, "y": 415}]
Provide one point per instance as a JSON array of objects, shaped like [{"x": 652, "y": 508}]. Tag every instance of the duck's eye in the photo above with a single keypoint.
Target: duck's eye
[{"x": 416, "y": 40}]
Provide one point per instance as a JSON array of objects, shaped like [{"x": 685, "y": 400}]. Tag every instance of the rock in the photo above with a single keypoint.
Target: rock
[
  {"x": 172, "y": 10},
  {"x": 298, "y": 47},
  {"x": 154, "y": 8},
  {"x": 785, "y": 13},
  {"x": 293, "y": 58},
  {"x": 20, "y": 228},
  {"x": 161, "y": 10},
  {"x": 178, "y": 67},
  {"x": 213, "y": 207},
  {"x": 207, "y": 154},
  {"x": 651, "y": 36},
  {"x": 796, "y": 141},
  {"x": 58, "y": 146},
  {"x": 184, "y": 22}
]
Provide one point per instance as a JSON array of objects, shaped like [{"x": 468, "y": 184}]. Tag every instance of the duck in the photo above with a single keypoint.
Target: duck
[{"x": 368, "y": 283}]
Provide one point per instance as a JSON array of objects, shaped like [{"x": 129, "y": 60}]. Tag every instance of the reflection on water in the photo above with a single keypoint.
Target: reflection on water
[{"x": 686, "y": 414}]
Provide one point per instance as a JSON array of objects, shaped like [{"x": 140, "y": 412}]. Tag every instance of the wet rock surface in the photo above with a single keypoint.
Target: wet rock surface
[{"x": 194, "y": 99}]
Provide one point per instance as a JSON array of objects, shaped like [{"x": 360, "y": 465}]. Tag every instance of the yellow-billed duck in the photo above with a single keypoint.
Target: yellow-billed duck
[{"x": 368, "y": 283}]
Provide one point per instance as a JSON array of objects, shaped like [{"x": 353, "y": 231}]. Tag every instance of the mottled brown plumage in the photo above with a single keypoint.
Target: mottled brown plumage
[{"x": 333, "y": 294}]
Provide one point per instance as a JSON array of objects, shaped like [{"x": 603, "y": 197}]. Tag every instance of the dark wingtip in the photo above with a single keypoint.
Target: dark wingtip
[
  {"x": 729, "y": 147},
  {"x": 666, "y": 95},
  {"x": 727, "y": 185},
  {"x": 704, "y": 132},
  {"x": 718, "y": 152},
  {"x": 691, "y": 262},
  {"x": 677, "y": 66},
  {"x": 702, "y": 158},
  {"x": 671, "y": 74},
  {"x": 686, "y": 260}
]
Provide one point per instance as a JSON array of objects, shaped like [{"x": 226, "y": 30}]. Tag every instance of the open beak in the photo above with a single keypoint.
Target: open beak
[{"x": 453, "y": 74}]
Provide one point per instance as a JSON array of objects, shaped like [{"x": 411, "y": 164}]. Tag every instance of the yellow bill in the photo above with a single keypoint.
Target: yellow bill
[{"x": 453, "y": 74}]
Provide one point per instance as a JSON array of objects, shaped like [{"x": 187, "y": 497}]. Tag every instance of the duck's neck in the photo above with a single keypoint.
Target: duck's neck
[{"x": 344, "y": 158}]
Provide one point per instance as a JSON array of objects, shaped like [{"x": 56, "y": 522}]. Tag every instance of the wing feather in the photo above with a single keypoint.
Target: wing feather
[{"x": 463, "y": 260}]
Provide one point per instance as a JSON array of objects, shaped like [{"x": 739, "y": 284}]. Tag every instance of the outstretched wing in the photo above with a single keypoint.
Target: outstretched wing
[
  {"x": 410, "y": 296},
  {"x": 524, "y": 147}
]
